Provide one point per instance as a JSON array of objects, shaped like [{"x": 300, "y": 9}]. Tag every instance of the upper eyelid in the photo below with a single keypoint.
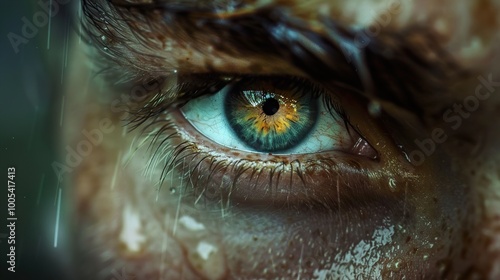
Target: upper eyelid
[{"x": 327, "y": 58}]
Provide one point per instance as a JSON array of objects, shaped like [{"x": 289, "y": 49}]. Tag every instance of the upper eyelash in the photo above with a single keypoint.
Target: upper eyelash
[
  {"x": 212, "y": 83},
  {"x": 164, "y": 99},
  {"x": 425, "y": 79}
]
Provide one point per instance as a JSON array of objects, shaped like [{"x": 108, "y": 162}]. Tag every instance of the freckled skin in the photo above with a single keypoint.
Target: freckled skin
[{"x": 435, "y": 220}]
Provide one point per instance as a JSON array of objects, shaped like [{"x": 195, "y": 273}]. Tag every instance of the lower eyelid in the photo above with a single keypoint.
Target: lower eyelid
[
  {"x": 327, "y": 184},
  {"x": 311, "y": 180}
]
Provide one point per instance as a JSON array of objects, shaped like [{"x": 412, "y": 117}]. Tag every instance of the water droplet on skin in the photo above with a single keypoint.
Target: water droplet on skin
[
  {"x": 169, "y": 47},
  {"x": 374, "y": 109},
  {"x": 392, "y": 184},
  {"x": 208, "y": 260},
  {"x": 404, "y": 153},
  {"x": 442, "y": 267}
]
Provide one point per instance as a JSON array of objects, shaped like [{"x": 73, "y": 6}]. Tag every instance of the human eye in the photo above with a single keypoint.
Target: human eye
[
  {"x": 265, "y": 140},
  {"x": 275, "y": 115},
  {"x": 256, "y": 143}
]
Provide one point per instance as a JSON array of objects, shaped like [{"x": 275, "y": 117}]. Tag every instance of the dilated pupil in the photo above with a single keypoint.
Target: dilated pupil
[{"x": 270, "y": 106}]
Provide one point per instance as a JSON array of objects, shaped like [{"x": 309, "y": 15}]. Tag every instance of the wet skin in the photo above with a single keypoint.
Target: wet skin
[{"x": 160, "y": 200}]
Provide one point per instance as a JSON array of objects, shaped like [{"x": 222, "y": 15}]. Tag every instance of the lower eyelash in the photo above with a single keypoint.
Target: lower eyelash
[
  {"x": 209, "y": 180},
  {"x": 173, "y": 153},
  {"x": 171, "y": 156}
]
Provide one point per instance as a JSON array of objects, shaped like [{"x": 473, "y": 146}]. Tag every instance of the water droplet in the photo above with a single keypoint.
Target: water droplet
[
  {"x": 404, "y": 153},
  {"x": 374, "y": 109},
  {"x": 173, "y": 190},
  {"x": 442, "y": 267},
  {"x": 392, "y": 184},
  {"x": 169, "y": 46}
]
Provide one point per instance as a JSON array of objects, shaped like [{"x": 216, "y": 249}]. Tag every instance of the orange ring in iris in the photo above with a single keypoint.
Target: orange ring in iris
[
  {"x": 271, "y": 116},
  {"x": 279, "y": 123}
]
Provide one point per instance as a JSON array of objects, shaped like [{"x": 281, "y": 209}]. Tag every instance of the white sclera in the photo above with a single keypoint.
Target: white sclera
[{"x": 206, "y": 115}]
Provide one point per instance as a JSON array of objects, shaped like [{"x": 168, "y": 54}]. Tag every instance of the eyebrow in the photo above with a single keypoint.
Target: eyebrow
[
  {"x": 408, "y": 67},
  {"x": 264, "y": 30}
]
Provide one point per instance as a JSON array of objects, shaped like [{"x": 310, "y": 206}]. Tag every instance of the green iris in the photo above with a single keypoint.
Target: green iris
[{"x": 269, "y": 116}]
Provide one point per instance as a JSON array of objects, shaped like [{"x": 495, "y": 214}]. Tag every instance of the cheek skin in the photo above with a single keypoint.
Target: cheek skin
[
  {"x": 120, "y": 223},
  {"x": 118, "y": 229}
]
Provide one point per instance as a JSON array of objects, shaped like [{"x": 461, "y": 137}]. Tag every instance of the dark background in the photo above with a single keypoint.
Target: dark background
[{"x": 31, "y": 84}]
